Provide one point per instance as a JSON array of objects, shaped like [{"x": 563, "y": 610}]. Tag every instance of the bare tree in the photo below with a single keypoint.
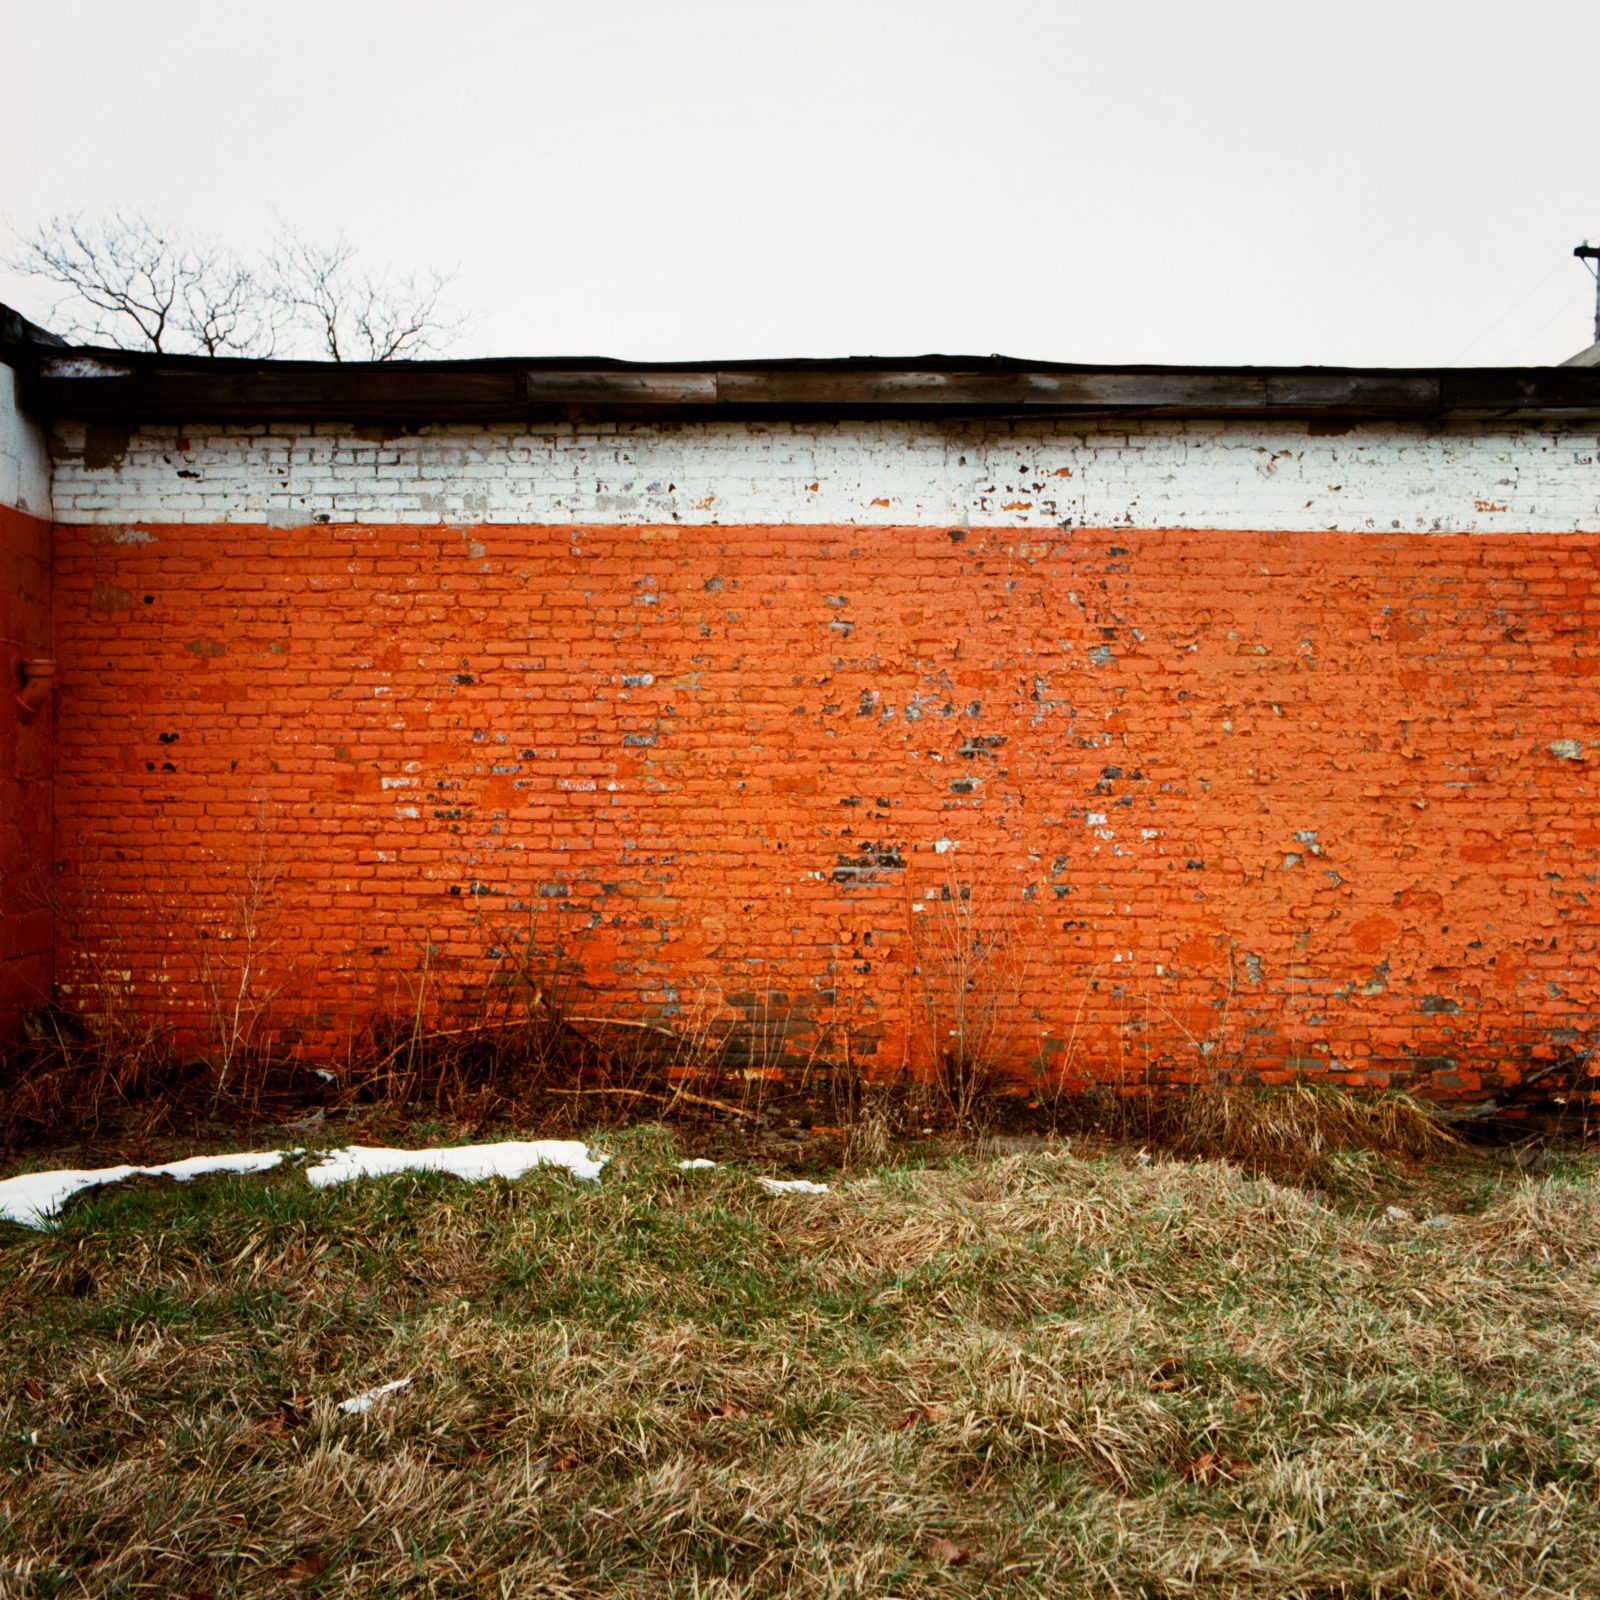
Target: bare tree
[
  {"x": 133, "y": 282},
  {"x": 129, "y": 282},
  {"x": 353, "y": 314}
]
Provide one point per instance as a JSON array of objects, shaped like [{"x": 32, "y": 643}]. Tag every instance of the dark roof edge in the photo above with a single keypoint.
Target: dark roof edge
[
  {"x": 81, "y": 382},
  {"x": 17, "y": 333}
]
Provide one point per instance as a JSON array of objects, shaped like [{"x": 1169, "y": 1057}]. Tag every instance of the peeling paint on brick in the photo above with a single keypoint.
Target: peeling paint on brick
[
  {"x": 721, "y": 701},
  {"x": 1377, "y": 478}
]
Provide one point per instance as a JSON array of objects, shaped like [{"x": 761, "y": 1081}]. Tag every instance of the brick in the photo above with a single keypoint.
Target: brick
[
  {"x": 477, "y": 619},
  {"x": 873, "y": 476}
]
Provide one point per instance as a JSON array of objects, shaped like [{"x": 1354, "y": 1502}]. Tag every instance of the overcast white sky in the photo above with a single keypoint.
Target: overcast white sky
[{"x": 1199, "y": 181}]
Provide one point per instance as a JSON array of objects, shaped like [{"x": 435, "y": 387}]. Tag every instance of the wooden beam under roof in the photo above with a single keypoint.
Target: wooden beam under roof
[{"x": 59, "y": 381}]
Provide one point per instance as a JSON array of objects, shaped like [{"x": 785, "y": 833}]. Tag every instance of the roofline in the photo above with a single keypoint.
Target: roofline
[{"x": 93, "y": 383}]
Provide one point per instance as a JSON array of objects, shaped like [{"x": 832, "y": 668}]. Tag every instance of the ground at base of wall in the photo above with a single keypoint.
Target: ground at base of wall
[
  {"x": 1369, "y": 1153},
  {"x": 986, "y": 1376}
]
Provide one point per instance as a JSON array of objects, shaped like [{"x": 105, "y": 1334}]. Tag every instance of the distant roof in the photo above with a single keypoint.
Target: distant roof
[{"x": 59, "y": 380}]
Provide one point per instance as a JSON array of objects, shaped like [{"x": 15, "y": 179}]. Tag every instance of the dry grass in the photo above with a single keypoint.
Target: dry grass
[
  {"x": 1029, "y": 1376},
  {"x": 1291, "y": 1130}
]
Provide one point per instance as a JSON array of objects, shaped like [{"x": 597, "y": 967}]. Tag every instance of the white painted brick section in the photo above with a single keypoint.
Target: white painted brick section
[
  {"x": 1027, "y": 474},
  {"x": 24, "y": 460}
]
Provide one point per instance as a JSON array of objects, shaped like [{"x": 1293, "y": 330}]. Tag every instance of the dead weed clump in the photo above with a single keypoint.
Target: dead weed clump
[
  {"x": 1290, "y": 1132},
  {"x": 71, "y": 1072}
]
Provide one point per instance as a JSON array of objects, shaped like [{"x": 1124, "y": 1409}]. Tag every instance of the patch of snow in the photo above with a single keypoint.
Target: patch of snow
[
  {"x": 34, "y": 1197},
  {"x": 510, "y": 1159},
  {"x": 357, "y": 1403},
  {"x": 198, "y": 1166},
  {"x": 792, "y": 1186}
]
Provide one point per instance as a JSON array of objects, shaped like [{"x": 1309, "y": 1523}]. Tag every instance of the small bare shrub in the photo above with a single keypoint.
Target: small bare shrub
[
  {"x": 968, "y": 986},
  {"x": 238, "y": 966}
]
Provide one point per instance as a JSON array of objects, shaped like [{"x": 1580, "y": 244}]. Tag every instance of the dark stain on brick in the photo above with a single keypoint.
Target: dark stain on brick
[
  {"x": 981, "y": 745},
  {"x": 869, "y": 863},
  {"x": 105, "y": 444}
]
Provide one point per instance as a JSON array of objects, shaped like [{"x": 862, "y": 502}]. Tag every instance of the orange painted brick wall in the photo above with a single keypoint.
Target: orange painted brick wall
[
  {"x": 1151, "y": 800},
  {"x": 27, "y": 953}
]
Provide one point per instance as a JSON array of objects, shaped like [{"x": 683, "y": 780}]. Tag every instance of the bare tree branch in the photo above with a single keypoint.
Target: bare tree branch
[
  {"x": 306, "y": 283},
  {"x": 130, "y": 282},
  {"x": 356, "y": 315},
  {"x": 135, "y": 283}
]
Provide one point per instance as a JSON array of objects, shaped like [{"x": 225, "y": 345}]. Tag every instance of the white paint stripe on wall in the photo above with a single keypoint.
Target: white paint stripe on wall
[
  {"x": 1028, "y": 474},
  {"x": 24, "y": 459}
]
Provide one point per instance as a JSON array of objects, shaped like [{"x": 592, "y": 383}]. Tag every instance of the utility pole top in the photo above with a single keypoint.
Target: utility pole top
[{"x": 1589, "y": 252}]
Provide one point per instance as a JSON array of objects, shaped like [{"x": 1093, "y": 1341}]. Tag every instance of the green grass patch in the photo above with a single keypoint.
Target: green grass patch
[{"x": 1030, "y": 1375}]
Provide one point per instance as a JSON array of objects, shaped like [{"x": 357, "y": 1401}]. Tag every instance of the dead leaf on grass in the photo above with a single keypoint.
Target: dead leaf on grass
[
  {"x": 310, "y": 1565},
  {"x": 720, "y": 1408},
  {"x": 566, "y": 1461},
  {"x": 929, "y": 1411},
  {"x": 1211, "y": 1467},
  {"x": 290, "y": 1414},
  {"x": 948, "y": 1553}
]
